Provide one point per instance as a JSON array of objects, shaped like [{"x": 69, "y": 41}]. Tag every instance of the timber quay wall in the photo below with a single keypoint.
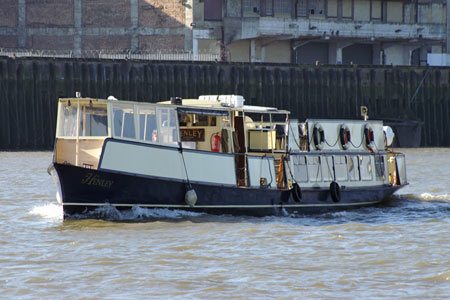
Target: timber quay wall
[{"x": 30, "y": 88}]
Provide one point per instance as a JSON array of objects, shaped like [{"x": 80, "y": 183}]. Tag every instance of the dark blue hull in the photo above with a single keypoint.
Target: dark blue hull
[{"x": 84, "y": 190}]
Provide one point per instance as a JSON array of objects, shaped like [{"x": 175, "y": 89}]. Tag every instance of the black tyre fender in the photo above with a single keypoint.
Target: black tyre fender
[
  {"x": 296, "y": 192},
  {"x": 335, "y": 191}
]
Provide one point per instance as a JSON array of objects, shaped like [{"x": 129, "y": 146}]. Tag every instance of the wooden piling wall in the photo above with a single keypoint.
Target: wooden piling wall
[{"x": 30, "y": 88}]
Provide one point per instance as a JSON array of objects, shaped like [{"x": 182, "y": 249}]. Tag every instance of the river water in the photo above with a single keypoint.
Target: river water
[{"x": 400, "y": 250}]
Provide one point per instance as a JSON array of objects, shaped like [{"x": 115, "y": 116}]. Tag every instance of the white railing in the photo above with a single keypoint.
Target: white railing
[
  {"x": 34, "y": 53},
  {"x": 179, "y": 55}
]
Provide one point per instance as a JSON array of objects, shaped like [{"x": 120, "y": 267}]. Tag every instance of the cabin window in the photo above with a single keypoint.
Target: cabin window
[
  {"x": 123, "y": 121},
  {"x": 148, "y": 129},
  {"x": 93, "y": 120},
  {"x": 200, "y": 120},
  {"x": 365, "y": 167},
  {"x": 167, "y": 126},
  {"x": 340, "y": 167},
  {"x": 68, "y": 119},
  {"x": 353, "y": 170},
  {"x": 379, "y": 167}
]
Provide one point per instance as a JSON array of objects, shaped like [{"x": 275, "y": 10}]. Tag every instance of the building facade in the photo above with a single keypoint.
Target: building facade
[{"x": 279, "y": 31}]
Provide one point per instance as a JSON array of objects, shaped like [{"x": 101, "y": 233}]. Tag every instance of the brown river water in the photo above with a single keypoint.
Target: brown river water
[{"x": 400, "y": 250}]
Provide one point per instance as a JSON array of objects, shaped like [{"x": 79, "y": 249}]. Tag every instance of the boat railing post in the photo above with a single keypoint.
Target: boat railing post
[
  {"x": 246, "y": 153},
  {"x": 271, "y": 136},
  {"x": 231, "y": 126},
  {"x": 77, "y": 144}
]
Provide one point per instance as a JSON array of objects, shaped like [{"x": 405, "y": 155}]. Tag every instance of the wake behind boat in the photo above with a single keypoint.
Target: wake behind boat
[{"x": 216, "y": 155}]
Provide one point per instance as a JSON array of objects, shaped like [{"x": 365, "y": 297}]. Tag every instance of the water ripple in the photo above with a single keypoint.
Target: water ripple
[{"x": 398, "y": 250}]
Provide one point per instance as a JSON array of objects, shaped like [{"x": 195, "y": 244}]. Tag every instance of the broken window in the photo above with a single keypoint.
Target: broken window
[
  {"x": 251, "y": 8},
  {"x": 316, "y": 7}
]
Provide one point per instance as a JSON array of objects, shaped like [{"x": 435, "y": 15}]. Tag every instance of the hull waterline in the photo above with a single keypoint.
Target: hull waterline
[{"x": 84, "y": 190}]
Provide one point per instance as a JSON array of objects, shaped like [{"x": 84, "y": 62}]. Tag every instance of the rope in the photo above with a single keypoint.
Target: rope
[
  {"x": 185, "y": 168},
  {"x": 326, "y": 142},
  {"x": 290, "y": 172},
  {"x": 293, "y": 135},
  {"x": 362, "y": 140},
  {"x": 331, "y": 173}
]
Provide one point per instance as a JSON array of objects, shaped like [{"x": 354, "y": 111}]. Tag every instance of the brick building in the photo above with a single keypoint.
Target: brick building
[{"x": 290, "y": 31}]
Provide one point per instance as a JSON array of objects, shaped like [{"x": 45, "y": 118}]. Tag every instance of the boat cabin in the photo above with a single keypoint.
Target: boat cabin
[{"x": 222, "y": 141}]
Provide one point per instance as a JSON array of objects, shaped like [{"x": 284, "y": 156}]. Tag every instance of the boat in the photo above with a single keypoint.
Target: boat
[{"x": 217, "y": 155}]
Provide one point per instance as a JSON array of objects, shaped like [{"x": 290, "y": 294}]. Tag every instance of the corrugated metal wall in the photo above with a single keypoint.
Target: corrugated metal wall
[{"x": 30, "y": 87}]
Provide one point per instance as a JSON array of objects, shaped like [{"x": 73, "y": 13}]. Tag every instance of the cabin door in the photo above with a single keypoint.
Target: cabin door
[{"x": 239, "y": 149}]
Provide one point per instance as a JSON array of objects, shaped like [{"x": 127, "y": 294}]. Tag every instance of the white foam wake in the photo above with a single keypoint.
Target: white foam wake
[
  {"x": 48, "y": 211},
  {"x": 139, "y": 213},
  {"x": 428, "y": 196}
]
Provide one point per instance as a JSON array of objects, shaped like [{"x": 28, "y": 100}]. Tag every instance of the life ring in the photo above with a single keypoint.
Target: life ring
[
  {"x": 296, "y": 192},
  {"x": 335, "y": 191},
  {"x": 318, "y": 136},
  {"x": 345, "y": 136},
  {"x": 370, "y": 138}
]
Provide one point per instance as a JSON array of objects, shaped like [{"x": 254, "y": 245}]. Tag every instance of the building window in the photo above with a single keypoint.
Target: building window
[
  {"x": 332, "y": 8},
  {"x": 347, "y": 9},
  {"x": 266, "y": 8},
  {"x": 213, "y": 10},
  {"x": 251, "y": 7},
  {"x": 395, "y": 12},
  {"x": 316, "y": 7},
  {"x": 375, "y": 10},
  {"x": 422, "y": 13},
  {"x": 282, "y": 7},
  {"x": 302, "y": 8}
]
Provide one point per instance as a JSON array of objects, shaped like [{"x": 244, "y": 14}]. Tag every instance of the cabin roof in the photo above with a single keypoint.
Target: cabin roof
[
  {"x": 195, "y": 103},
  {"x": 217, "y": 105}
]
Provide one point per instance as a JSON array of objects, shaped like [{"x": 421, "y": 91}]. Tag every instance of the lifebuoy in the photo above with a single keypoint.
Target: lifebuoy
[
  {"x": 345, "y": 136},
  {"x": 318, "y": 136},
  {"x": 335, "y": 191},
  {"x": 296, "y": 192},
  {"x": 370, "y": 138}
]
